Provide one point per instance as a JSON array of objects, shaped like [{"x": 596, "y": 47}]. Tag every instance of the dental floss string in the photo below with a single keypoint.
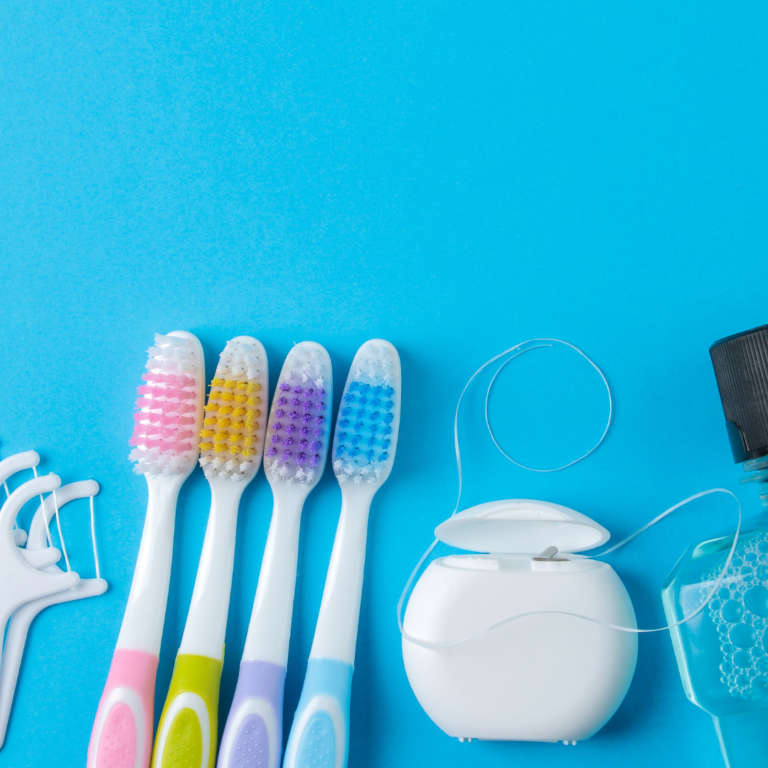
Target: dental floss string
[
  {"x": 518, "y": 351},
  {"x": 658, "y": 518},
  {"x": 61, "y": 535},
  {"x": 488, "y": 397},
  {"x": 47, "y": 528},
  {"x": 93, "y": 538}
]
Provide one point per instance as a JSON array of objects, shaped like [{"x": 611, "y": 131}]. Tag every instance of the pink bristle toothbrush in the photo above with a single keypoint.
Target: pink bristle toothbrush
[{"x": 168, "y": 420}]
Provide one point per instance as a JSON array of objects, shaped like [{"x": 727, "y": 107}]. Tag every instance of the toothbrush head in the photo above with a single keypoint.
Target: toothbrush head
[
  {"x": 299, "y": 421},
  {"x": 170, "y": 407},
  {"x": 369, "y": 416},
  {"x": 232, "y": 437}
]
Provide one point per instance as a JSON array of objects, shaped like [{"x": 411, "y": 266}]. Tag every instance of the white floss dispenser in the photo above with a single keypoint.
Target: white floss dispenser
[{"x": 514, "y": 645}]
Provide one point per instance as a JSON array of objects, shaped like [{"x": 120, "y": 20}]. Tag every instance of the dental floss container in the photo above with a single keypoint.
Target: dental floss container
[{"x": 547, "y": 677}]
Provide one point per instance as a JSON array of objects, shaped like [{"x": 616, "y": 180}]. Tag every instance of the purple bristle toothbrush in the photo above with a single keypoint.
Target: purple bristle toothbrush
[{"x": 297, "y": 439}]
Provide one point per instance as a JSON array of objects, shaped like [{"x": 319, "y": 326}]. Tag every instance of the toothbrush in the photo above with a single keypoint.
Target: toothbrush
[
  {"x": 299, "y": 424},
  {"x": 363, "y": 452},
  {"x": 231, "y": 452},
  {"x": 165, "y": 450}
]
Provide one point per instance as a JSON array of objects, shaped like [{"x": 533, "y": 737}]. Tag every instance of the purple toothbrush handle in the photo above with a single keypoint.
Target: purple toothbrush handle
[{"x": 253, "y": 736}]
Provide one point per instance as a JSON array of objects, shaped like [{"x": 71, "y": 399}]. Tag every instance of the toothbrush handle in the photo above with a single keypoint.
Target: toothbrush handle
[
  {"x": 255, "y": 722},
  {"x": 320, "y": 731},
  {"x": 188, "y": 729},
  {"x": 122, "y": 731}
]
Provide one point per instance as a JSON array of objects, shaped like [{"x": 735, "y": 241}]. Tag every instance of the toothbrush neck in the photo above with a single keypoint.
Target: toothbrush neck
[
  {"x": 207, "y": 619},
  {"x": 336, "y": 632},
  {"x": 269, "y": 630}
]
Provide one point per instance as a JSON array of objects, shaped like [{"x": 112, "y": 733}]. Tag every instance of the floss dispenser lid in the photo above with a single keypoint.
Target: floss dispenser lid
[{"x": 521, "y": 526}]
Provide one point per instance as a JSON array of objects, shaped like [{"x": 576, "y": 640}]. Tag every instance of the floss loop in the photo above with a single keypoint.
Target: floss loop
[{"x": 518, "y": 351}]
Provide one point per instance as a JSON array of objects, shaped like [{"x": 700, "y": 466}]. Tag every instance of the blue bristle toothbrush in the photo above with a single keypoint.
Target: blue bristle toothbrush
[{"x": 363, "y": 453}]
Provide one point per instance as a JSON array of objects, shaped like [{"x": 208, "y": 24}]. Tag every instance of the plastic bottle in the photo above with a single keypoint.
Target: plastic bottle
[{"x": 722, "y": 653}]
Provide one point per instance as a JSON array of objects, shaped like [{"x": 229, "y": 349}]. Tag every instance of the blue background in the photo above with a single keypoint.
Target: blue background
[{"x": 454, "y": 177}]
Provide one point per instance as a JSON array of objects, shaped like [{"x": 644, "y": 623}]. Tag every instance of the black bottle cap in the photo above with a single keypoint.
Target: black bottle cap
[{"x": 741, "y": 369}]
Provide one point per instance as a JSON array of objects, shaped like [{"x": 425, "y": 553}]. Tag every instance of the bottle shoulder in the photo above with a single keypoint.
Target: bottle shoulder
[{"x": 722, "y": 651}]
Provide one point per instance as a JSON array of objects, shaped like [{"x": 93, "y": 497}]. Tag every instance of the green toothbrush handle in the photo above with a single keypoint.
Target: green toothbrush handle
[{"x": 188, "y": 729}]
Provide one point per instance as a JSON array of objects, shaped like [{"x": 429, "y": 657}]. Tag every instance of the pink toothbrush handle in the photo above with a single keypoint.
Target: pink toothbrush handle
[{"x": 122, "y": 731}]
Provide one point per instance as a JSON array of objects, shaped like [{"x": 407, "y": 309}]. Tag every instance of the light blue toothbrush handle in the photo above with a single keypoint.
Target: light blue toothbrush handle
[{"x": 320, "y": 732}]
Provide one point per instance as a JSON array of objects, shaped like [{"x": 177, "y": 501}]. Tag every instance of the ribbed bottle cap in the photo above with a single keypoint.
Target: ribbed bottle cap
[{"x": 741, "y": 368}]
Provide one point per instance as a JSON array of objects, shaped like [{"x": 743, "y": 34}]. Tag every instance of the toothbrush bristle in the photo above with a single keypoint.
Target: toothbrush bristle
[
  {"x": 366, "y": 427},
  {"x": 163, "y": 438},
  {"x": 232, "y": 437},
  {"x": 298, "y": 428}
]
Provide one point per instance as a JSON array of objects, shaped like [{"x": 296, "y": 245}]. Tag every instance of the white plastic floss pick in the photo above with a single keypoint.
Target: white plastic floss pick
[
  {"x": 35, "y": 564},
  {"x": 520, "y": 349},
  {"x": 21, "y": 620}
]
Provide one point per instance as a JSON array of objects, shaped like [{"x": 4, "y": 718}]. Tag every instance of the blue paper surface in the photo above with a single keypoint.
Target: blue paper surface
[{"x": 453, "y": 177}]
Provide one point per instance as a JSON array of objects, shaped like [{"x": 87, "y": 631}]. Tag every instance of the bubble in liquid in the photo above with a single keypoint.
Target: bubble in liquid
[
  {"x": 756, "y": 601},
  {"x": 742, "y": 636},
  {"x": 760, "y": 687},
  {"x": 739, "y": 615},
  {"x": 732, "y": 611},
  {"x": 742, "y": 659}
]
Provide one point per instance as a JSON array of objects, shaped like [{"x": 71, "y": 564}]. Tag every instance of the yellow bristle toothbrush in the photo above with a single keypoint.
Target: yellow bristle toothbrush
[{"x": 231, "y": 453}]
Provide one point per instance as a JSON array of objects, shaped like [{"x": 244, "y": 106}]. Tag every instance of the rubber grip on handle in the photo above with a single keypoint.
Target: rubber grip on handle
[
  {"x": 319, "y": 735},
  {"x": 253, "y": 736},
  {"x": 122, "y": 731},
  {"x": 188, "y": 729}
]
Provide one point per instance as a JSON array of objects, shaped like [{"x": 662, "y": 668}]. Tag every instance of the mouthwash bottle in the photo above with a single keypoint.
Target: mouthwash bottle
[{"x": 723, "y": 652}]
